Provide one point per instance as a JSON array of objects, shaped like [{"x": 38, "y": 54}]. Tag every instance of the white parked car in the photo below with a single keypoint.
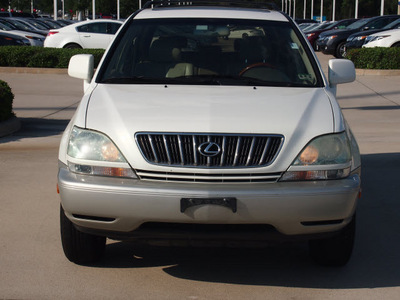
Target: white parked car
[
  {"x": 185, "y": 133},
  {"x": 87, "y": 34},
  {"x": 388, "y": 38}
]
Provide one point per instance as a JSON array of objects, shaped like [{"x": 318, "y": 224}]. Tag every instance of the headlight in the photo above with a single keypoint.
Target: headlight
[
  {"x": 331, "y": 37},
  {"x": 326, "y": 157},
  {"x": 375, "y": 38},
  {"x": 360, "y": 38},
  {"x": 93, "y": 153}
]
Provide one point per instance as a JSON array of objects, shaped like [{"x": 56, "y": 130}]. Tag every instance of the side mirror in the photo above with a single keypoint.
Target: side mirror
[
  {"x": 341, "y": 71},
  {"x": 82, "y": 66}
]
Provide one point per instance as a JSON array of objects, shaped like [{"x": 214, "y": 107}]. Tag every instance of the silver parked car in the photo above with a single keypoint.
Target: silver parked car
[{"x": 187, "y": 132}]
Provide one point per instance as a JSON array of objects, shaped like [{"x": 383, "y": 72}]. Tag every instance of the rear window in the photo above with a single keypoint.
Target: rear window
[{"x": 210, "y": 51}]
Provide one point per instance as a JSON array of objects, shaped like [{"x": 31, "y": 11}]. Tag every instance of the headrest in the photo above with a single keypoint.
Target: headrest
[{"x": 166, "y": 49}]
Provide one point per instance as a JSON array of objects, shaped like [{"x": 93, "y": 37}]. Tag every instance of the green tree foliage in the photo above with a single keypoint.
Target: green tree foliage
[{"x": 6, "y": 100}]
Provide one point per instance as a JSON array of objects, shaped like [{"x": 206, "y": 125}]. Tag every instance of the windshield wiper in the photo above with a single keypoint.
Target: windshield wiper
[
  {"x": 200, "y": 80},
  {"x": 134, "y": 79}
]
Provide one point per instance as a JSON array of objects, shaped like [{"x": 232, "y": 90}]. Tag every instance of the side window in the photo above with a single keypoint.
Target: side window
[
  {"x": 94, "y": 28},
  {"x": 112, "y": 28}
]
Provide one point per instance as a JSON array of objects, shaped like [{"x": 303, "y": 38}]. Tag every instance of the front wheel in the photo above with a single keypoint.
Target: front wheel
[
  {"x": 334, "y": 251},
  {"x": 340, "y": 50},
  {"x": 79, "y": 247}
]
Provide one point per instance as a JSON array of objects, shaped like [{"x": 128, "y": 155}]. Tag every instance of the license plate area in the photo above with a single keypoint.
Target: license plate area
[{"x": 228, "y": 202}]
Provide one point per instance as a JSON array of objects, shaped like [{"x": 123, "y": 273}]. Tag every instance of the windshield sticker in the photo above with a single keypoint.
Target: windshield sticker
[
  {"x": 294, "y": 46},
  {"x": 305, "y": 77}
]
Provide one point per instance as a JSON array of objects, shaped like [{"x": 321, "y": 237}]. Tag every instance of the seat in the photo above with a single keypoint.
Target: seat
[{"x": 164, "y": 60}]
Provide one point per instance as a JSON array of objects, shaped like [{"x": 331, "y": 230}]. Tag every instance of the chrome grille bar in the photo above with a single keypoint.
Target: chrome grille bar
[
  {"x": 250, "y": 156},
  {"x": 167, "y": 149},
  {"x": 235, "y": 151},
  {"x": 156, "y": 160}
]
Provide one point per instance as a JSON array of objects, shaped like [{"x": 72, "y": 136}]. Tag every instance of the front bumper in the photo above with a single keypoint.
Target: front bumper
[
  {"x": 121, "y": 206},
  {"x": 327, "y": 46}
]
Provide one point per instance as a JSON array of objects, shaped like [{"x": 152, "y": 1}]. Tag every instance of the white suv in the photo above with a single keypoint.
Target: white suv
[{"x": 208, "y": 123}]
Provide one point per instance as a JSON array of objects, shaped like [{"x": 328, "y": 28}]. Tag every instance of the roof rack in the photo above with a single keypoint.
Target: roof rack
[{"x": 223, "y": 3}]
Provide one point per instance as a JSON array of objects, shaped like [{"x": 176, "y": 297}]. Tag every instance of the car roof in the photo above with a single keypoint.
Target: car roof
[{"x": 206, "y": 9}]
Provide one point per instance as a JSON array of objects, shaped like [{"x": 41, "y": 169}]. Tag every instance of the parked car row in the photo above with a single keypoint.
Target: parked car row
[
  {"x": 364, "y": 32},
  {"x": 34, "y": 39},
  {"x": 313, "y": 33},
  {"x": 59, "y": 34}
]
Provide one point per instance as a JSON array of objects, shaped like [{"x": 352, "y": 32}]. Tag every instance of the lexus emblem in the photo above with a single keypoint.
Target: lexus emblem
[{"x": 209, "y": 149}]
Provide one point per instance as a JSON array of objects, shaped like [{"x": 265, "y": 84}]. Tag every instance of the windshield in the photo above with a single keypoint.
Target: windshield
[
  {"x": 358, "y": 24},
  {"x": 392, "y": 25},
  {"x": 5, "y": 27},
  {"x": 19, "y": 25},
  {"x": 210, "y": 51}
]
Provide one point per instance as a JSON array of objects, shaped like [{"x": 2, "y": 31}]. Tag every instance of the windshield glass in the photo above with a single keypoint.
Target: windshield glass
[
  {"x": 358, "y": 24},
  {"x": 394, "y": 24},
  {"x": 210, "y": 51}
]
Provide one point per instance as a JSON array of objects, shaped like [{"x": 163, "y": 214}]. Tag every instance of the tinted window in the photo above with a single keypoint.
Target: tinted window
[
  {"x": 210, "y": 51},
  {"x": 100, "y": 27}
]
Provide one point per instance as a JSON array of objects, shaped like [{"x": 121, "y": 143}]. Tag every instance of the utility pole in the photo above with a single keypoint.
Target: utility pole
[
  {"x": 356, "y": 10},
  {"x": 55, "y": 10}
]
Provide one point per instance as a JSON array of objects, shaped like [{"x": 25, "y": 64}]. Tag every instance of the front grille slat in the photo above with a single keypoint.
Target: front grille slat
[
  {"x": 167, "y": 149},
  {"x": 251, "y": 151},
  {"x": 207, "y": 178},
  {"x": 156, "y": 160},
  {"x": 183, "y": 149}
]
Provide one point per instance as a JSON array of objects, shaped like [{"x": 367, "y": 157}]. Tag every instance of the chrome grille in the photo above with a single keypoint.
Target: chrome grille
[
  {"x": 207, "y": 178},
  {"x": 182, "y": 150}
]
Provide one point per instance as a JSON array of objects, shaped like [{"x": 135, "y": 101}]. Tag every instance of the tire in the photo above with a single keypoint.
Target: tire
[
  {"x": 80, "y": 248},
  {"x": 334, "y": 251},
  {"x": 340, "y": 50},
  {"x": 72, "y": 46},
  {"x": 396, "y": 45}
]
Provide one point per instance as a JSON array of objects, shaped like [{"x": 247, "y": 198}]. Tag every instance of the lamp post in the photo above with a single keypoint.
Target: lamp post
[
  {"x": 55, "y": 10},
  {"x": 312, "y": 9},
  {"x": 294, "y": 9},
  {"x": 322, "y": 11},
  {"x": 356, "y": 10}
]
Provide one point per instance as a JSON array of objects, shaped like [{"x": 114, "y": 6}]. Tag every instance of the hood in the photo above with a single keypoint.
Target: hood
[
  {"x": 339, "y": 32},
  {"x": 120, "y": 111},
  {"x": 366, "y": 32}
]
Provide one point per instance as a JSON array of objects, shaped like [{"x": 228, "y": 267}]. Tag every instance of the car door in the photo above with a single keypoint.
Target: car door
[{"x": 96, "y": 34}]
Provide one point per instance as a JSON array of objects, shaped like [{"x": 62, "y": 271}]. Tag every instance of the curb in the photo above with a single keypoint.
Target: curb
[
  {"x": 9, "y": 126},
  {"x": 33, "y": 70},
  {"x": 367, "y": 72}
]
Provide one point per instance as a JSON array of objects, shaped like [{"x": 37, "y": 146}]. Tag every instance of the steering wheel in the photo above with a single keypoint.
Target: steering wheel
[{"x": 256, "y": 65}]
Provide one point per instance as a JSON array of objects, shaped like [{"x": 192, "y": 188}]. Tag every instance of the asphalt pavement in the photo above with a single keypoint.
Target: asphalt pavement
[{"x": 33, "y": 266}]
